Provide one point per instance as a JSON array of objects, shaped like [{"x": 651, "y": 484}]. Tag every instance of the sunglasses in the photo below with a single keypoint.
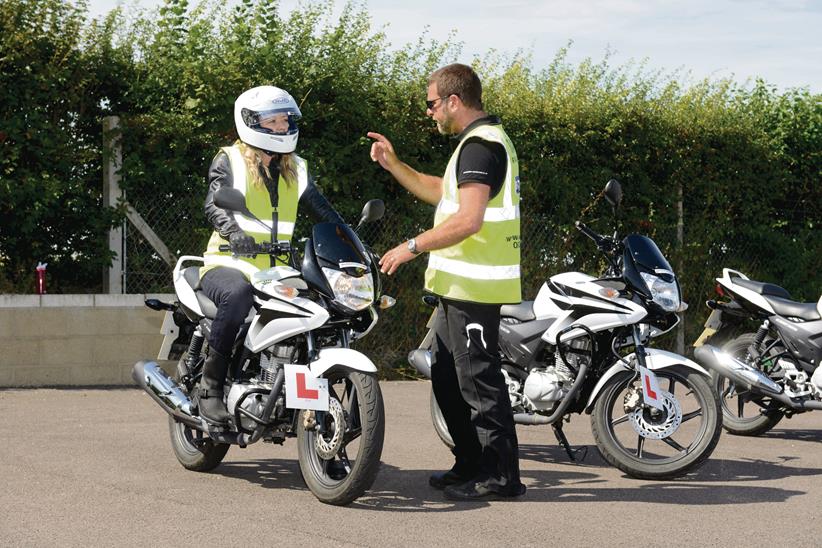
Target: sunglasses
[{"x": 430, "y": 103}]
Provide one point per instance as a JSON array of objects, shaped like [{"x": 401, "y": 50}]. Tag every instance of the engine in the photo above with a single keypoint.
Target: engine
[
  {"x": 252, "y": 395},
  {"x": 544, "y": 387}
]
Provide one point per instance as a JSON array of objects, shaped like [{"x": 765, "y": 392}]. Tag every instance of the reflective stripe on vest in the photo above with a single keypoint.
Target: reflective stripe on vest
[
  {"x": 258, "y": 201},
  {"x": 485, "y": 267}
]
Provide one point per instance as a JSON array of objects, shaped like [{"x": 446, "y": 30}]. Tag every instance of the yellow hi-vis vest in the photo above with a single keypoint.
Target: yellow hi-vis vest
[
  {"x": 258, "y": 202},
  {"x": 485, "y": 267}
]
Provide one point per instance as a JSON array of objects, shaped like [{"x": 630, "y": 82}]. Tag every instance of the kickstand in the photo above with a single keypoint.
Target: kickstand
[{"x": 582, "y": 452}]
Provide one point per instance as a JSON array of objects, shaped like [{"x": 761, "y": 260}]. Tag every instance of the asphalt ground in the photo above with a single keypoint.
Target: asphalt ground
[{"x": 94, "y": 467}]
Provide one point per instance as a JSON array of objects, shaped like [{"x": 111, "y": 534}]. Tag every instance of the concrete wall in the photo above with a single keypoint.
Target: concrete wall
[{"x": 75, "y": 340}]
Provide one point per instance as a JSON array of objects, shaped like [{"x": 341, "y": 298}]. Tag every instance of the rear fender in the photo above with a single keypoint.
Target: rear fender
[
  {"x": 654, "y": 358},
  {"x": 345, "y": 358}
]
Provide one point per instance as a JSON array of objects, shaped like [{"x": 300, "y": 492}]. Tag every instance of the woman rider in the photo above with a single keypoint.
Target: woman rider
[{"x": 275, "y": 181}]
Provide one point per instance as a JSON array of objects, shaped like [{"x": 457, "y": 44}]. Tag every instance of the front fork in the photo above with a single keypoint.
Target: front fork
[{"x": 651, "y": 394}]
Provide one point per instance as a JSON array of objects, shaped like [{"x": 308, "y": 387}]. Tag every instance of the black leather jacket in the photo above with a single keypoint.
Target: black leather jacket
[{"x": 219, "y": 175}]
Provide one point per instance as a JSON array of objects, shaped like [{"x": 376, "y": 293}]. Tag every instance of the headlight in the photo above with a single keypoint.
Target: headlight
[
  {"x": 665, "y": 294},
  {"x": 349, "y": 291}
]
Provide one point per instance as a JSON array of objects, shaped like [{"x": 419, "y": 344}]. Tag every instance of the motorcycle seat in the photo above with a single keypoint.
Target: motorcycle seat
[
  {"x": 192, "y": 276},
  {"x": 791, "y": 309},
  {"x": 523, "y": 311},
  {"x": 763, "y": 288}
]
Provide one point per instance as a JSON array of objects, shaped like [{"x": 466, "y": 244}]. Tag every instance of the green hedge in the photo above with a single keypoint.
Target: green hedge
[{"x": 745, "y": 159}]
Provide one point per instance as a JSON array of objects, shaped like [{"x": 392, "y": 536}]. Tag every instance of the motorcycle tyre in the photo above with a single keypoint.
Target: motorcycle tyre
[
  {"x": 636, "y": 468},
  {"x": 202, "y": 457},
  {"x": 367, "y": 464},
  {"x": 439, "y": 423},
  {"x": 753, "y": 426}
]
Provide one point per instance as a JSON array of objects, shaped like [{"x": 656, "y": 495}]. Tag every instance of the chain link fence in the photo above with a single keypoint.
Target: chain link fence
[{"x": 547, "y": 249}]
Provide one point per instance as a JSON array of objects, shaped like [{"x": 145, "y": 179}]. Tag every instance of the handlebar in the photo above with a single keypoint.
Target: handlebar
[
  {"x": 263, "y": 248},
  {"x": 588, "y": 232}
]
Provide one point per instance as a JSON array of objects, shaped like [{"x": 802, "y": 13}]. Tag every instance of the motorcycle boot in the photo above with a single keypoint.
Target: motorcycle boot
[{"x": 210, "y": 393}]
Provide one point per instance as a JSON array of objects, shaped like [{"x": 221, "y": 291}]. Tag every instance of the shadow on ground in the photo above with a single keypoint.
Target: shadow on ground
[{"x": 408, "y": 490}]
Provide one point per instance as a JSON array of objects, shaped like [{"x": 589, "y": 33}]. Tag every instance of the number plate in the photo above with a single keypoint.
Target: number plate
[
  {"x": 651, "y": 393},
  {"x": 303, "y": 390},
  {"x": 712, "y": 325}
]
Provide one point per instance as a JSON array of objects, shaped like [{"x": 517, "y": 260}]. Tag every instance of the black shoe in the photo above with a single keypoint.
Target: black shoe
[
  {"x": 211, "y": 406},
  {"x": 210, "y": 393},
  {"x": 482, "y": 490},
  {"x": 441, "y": 480}
]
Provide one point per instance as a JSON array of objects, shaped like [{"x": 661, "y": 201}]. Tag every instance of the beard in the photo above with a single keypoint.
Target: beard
[{"x": 446, "y": 125}]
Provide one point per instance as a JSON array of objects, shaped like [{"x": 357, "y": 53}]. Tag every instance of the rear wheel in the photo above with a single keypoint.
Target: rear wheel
[
  {"x": 341, "y": 463},
  {"x": 650, "y": 444},
  {"x": 193, "y": 449},
  {"x": 741, "y": 414}
]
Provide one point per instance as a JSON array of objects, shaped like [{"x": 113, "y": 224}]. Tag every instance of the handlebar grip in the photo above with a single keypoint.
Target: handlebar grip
[{"x": 588, "y": 232}]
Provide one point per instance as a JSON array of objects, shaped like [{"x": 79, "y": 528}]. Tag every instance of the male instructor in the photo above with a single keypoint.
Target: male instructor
[{"x": 474, "y": 266}]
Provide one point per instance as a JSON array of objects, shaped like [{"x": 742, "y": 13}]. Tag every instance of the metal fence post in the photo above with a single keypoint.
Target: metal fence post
[
  {"x": 112, "y": 160},
  {"x": 680, "y": 242}
]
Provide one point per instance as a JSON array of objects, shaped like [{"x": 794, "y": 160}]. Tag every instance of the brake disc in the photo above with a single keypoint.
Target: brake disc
[
  {"x": 649, "y": 426},
  {"x": 329, "y": 443}
]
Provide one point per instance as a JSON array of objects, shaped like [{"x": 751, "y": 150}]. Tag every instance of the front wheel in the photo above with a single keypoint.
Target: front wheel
[
  {"x": 649, "y": 444},
  {"x": 744, "y": 413},
  {"x": 341, "y": 463}
]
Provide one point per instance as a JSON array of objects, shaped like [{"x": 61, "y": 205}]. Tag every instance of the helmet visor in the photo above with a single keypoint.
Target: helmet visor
[{"x": 276, "y": 121}]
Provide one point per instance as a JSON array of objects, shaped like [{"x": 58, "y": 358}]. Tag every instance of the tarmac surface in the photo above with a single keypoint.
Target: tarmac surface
[{"x": 94, "y": 467}]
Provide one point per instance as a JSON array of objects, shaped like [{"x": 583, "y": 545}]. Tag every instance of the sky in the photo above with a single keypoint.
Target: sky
[{"x": 778, "y": 40}]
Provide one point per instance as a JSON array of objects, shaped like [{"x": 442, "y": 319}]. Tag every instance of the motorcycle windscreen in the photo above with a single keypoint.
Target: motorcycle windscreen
[
  {"x": 339, "y": 247},
  {"x": 642, "y": 255}
]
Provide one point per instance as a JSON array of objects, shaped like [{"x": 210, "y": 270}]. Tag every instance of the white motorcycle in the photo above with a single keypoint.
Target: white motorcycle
[
  {"x": 769, "y": 373},
  {"x": 653, "y": 413},
  {"x": 293, "y": 373}
]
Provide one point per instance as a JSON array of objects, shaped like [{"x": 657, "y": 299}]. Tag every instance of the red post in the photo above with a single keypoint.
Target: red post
[{"x": 41, "y": 278}]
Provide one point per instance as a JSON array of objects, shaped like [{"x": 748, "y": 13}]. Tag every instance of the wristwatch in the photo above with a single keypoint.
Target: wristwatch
[{"x": 412, "y": 246}]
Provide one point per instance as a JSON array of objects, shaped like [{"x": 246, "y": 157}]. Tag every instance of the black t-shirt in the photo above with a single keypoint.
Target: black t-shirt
[{"x": 482, "y": 161}]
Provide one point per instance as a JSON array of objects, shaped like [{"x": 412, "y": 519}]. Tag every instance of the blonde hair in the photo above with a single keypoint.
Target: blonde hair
[{"x": 254, "y": 161}]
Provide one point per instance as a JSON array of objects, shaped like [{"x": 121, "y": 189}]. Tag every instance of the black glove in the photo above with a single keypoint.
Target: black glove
[{"x": 242, "y": 243}]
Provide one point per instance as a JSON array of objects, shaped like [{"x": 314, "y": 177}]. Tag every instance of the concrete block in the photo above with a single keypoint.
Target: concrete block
[
  {"x": 95, "y": 321},
  {"x": 141, "y": 321},
  {"x": 19, "y": 301},
  {"x": 50, "y": 322},
  {"x": 96, "y": 374},
  {"x": 125, "y": 301},
  {"x": 165, "y": 297},
  {"x": 68, "y": 301},
  {"x": 20, "y": 353},
  {"x": 21, "y": 323},
  {"x": 65, "y": 351},
  {"x": 6, "y": 376},
  {"x": 122, "y": 350},
  {"x": 42, "y": 376}
]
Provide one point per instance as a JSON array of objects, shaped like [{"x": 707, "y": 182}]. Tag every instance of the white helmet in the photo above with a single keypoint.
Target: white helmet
[{"x": 256, "y": 106}]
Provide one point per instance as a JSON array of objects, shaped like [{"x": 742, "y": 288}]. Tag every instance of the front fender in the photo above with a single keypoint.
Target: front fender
[
  {"x": 341, "y": 357},
  {"x": 655, "y": 359}
]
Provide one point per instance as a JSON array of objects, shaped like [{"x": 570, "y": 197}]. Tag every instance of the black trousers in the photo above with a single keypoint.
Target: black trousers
[
  {"x": 471, "y": 392},
  {"x": 233, "y": 295}
]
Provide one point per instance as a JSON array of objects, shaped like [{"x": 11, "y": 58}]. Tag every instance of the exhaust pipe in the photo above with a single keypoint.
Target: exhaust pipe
[
  {"x": 744, "y": 375},
  {"x": 165, "y": 391},
  {"x": 736, "y": 370},
  {"x": 421, "y": 360}
]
